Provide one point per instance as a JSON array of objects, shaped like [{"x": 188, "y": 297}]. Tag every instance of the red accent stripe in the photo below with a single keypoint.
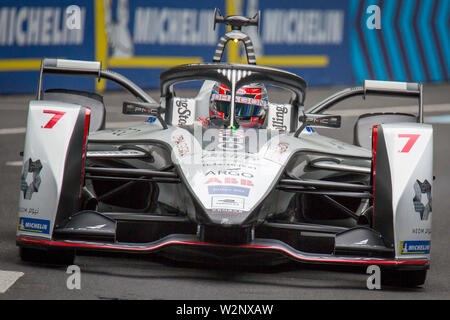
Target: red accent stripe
[
  {"x": 87, "y": 121},
  {"x": 374, "y": 165},
  {"x": 223, "y": 89},
  {"x": 174, "y": 242},
  {"x": 220, "y": 114},
  {"x": 252, "y": 90}
]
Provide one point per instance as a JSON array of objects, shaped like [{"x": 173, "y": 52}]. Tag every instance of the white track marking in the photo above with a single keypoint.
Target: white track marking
[
  {"x": 14, "y": 163},
  {"x": 109, "y": 125},
  {"x": 8, "y": 278},
  {"x": 438, "y": 119},
  {"x": 12, "y": 131}
]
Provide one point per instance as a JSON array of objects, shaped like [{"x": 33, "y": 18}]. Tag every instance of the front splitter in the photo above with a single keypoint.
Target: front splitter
[{"x": 258, "y": 245}]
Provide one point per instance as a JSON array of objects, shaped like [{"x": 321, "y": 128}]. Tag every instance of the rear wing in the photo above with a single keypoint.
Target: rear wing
[
  {"x": 389, "y": 88},
  {"x": 94, "y": 69}
]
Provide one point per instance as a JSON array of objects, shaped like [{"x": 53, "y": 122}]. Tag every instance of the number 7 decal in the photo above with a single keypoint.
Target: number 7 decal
[
  {"x": 412, "y": 139},
  {"x": 57, "y": 115}
]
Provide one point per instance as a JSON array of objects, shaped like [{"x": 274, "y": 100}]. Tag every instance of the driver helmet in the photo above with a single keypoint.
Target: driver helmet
[{"x": 250, "y": 104}]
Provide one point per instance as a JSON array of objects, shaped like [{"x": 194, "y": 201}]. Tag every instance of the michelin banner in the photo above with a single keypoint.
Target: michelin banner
[
  {"x": 142, "y": 38},
  {"x": 31, "y": 30},
  {"x": 320, "y": 40}
]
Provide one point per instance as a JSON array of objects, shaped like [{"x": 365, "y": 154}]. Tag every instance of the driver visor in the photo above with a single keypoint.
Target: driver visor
[{"x": 244, "y": 106}]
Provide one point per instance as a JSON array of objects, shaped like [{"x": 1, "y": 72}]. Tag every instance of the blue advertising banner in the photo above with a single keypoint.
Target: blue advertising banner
[
  {"x": 145, "y": 37},
  {"x": 142, "y": 38},
  {"x": 304, "y": 37},
  {"x": 410, "y": 43},
  {"x": 309, "y": 38},
  {"x": 33, "y": 29},
  {"x": 325, "y": 42}
]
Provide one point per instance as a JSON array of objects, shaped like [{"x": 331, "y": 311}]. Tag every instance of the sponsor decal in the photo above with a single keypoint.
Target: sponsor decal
[
  {"x": 223, "y": 163},
  {"x": 278, "y": 120},
  {"x": 215, "y": 156},
  {"x": 181, "y": 145},
  {"x": 303, "y": 27},
  {"x": 173, "y": 26},
  {"x": 184, "y": 108},
  {"x": 227, "y": 202},
  {"x": 277, "y": 152},
  {"x": 124, "y": 132},
  {"x": 42, "y": 26},
  {"x": 415, "y": 247},
  {"x": 426, "y": 231},
  {"x": 245, "y": 100},
  {"x": 422, "y": 207},
  {"x": 225, "y": 212},
  {"x": 283, "y": 147},
  {"x": 34, "y": 225},
  {"x": 31, "y": 211},
  {"x": 244, "y": 182},
  {"x": 139, "y": 110},
  {"x": 229, "y": 172},
  {"x": 233, "y": 190},
  {"x": 34, "y": 168}
]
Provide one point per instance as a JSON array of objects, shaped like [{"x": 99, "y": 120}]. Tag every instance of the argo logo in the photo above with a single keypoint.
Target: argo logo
[{"x": 57, "y": 115}]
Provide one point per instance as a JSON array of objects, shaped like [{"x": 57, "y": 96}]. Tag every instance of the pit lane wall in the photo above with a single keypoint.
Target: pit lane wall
[{"x": 326, "y": 42}]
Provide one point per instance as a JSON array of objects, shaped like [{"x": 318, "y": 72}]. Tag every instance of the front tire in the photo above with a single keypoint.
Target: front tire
[{"x": 51, "y": 257}]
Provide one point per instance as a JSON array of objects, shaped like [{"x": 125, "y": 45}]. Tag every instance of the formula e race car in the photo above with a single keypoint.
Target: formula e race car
[{"x": 226, "y": 175}]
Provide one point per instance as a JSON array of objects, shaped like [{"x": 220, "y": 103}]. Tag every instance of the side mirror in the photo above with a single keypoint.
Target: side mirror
[
  {"x": 318, "y": 120},
  {"x": 144, "y": 109}
]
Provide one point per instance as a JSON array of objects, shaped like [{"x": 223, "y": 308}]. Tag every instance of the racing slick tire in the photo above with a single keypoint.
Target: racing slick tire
[
  {"x": 410, "y": 278},
  {"x": 51, "y": 257}
]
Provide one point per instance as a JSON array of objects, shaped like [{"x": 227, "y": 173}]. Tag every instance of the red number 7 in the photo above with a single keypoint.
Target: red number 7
[
  {"x": 57, "y": 115},
  {"x": 412, "y": 138}
]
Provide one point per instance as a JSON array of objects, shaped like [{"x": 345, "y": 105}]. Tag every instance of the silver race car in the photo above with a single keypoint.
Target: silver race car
[{"x": 226, "y": 175}]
